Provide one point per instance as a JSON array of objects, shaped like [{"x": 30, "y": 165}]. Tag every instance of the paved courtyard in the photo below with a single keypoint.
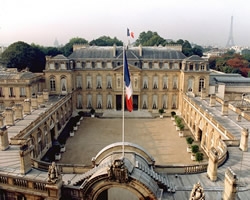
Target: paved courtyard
[{"x": 156, "y": 136}]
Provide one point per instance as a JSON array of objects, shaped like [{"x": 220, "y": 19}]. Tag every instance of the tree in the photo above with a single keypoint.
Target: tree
[
  {"x": 197, "y": 50},
  {"x": 212, "y": 62},
  {"x": 21, "y": 55},
  {"x": 150, "y": 39},
  {"x": 187, "y": 49},
  {"x": 106, "y": 41},
  {"x": 68, "y": 48}
]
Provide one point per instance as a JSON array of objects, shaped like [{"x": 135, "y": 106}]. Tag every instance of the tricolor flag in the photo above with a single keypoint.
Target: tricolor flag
[
  {"x": 130, "y": 33},
  {"x": 128, "y": 85}
]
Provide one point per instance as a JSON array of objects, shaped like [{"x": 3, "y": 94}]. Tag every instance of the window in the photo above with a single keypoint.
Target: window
[
  {"x": 79, "y": 101},
  {"x": 174, "y": 101},
  {"x": 175, "y": 82},
  {"x": 176, "y": 66},
  {"x": 1, "y": 92},
  {"x": 144, "y": 101},
  {"x": 190, "y": 84},
  {"x": 155, "y": 82},
  {"x": 89, "y": 82},
  {"x": 88, "y": 65},
  {"x": 165, "y": 66},
  {"x": 12, "y": 92},
  {"x": 109, "y": 82},
  {"x": 89, "y": 101},
  {"x": 155, "y": 101},
  {"x": 22, "y": 92},
  {"x": 216, "y": 88},
  {"x": 99, "y": 101},
  {"x": 109, "y": 65},
  {"x": 156, "y": 65},
  {"x": 98, "y": 82},
  {"x": 164, "y": 101},
  {"x": 109, "y": 101},
  {"x": 78, "y": 65},
  {"x": 63, "y": 66},
  {"x": 63, "y": 85},
  {"x": 202, "y": 67},
  {"x": 201, "y": 84},
  {"x": 99, "y": 65},
  {"x": 145, "y": 65},
  {"x": 145, "y": 82},
  {"x": 165, "y": 82},
  {"x": 52, "y": 84},
  {"x": 79, "y": 82},
  {"x": 51, "y": 66}
]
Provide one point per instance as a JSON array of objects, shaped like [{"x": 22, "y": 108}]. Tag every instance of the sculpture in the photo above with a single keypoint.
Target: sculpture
[
  {"x": 197, "y": 192},
  {"x": 53, "y": 173},
  {"x": 118, "y": 172}
]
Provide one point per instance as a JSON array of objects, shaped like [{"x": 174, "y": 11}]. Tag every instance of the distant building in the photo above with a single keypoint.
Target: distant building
[{"x": 56, "y": 43}]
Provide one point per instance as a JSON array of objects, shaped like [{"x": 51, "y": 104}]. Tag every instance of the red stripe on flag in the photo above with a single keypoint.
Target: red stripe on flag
[{"x": 129, "y": 104}]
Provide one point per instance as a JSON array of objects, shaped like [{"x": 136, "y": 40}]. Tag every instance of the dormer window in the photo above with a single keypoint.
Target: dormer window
[
  {"x": 202, "y": 67},
  {"x": 191, "y": 67}
]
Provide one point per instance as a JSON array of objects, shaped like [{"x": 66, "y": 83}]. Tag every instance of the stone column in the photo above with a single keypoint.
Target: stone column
[
  {"x": 45, "y": 95},
  {"x": 25, "y": 159},
  {"x": 212, "y": 164},
  {"x": 9, "y": 116},
  {"x": 39, "y": 98},
  {"x": 196, "y": 133},
  {"x": 19, "y": 111},
  {"x": 244, "y": 139},
  {"x": 212, "y": 100},
  {"x": 4, "y": 138},
  {"x": 1, "y": 120},
  {"x": 203, "y": 93},
  {"x": 224, "y": 110},
  {"x": 34, "y": 103},
  {"x": 27, "y": 107},
  {"x": 230, "y": 185}
]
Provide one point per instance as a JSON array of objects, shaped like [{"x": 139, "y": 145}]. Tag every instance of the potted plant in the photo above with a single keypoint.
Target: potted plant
[
  {"x": 172, "y": 115},
  {"x": 57, "y": 156},
  {"x": 92, "y": 112},
  {"x": 181, "y": 126},
  {"x": 71, "y": 133},
  {"x": 199, "y": 157},
  {"x": 63, "y": 148},
  {"x": 195, "y": 149},
  {"x": 189, "y": 141},
  {"x": 161, "y": 111}
]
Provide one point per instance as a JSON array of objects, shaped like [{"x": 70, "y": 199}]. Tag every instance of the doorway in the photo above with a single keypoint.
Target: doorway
[{"x": 135, "y": 102}]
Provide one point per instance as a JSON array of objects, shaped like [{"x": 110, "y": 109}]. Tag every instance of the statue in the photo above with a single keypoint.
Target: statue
[
  {"x": 53, "y": 173},
  {"x": 197, "y": 192},
  {"x": 118, "y": 172}
]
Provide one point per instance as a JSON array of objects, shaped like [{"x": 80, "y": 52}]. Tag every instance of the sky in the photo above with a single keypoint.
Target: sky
[{"x": 204, "y": 22}]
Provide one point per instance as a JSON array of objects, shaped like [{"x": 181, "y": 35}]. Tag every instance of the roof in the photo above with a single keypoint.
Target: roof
[
  {"x": 194, "y": 58},
  {"x": 94, "y": 52},
  {"x": 229, "y": 79},
  {"x": 60, "y": 57},
  {"x": 16, "y": 75}
]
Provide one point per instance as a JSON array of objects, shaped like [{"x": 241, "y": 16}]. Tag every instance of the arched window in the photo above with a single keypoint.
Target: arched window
[
  {"x": 63, "y": 85},
  {"x": 52, "y": 84},
  {"x": 201, "y": 84},
  {"x": 190, "y": 84}
]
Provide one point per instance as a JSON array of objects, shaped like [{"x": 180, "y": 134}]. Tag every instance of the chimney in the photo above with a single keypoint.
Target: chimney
[
  {"x": 4, "y": 138},
  {"x": 39, "y": 98},
  {"x": 1, "y": 119},
  {"x": 45, "y": 95},
  {"x": 27, "y": 107},
  {"x": 9, "y": 116},
  {"x": 34, "y": 103},
  {"x": 244, "y": 139},
  {"x": 224, "y": 110},
  {"x": 212, "y": 100},
  {"x": 25, "y": 159},
  {"x": 114, "y": 50},
  {"x": 140, "y": 50},
  {"x": 19, "y": 111}
]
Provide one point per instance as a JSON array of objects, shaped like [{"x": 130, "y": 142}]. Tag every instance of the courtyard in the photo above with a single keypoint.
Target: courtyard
[{"x": 157, "y": 136}]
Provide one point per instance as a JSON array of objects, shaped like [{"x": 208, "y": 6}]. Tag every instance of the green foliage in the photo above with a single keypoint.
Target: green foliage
[
  {"x": 177, "y": 120},
  {"x": 106, "y": 41},
  {"x": 173, "y": 113},
  {"x": 197, "y": 50},
  {"x": 248, "y": 74},
  {"x": 195, "y": 148},
  {"x": 199, "y": 157},
  {"x": 21, "y": 55},
  {"x": 189, "y": 140},
  {"x": 68, "y": 48},
  {"x": 161, "y": 111},
  {"x": 150, "y": 39},
  {"x": 181, "y": 126}
]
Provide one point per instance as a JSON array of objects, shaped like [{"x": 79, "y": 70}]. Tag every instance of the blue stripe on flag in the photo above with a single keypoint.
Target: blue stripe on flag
[{"x": 126, "y": 72}]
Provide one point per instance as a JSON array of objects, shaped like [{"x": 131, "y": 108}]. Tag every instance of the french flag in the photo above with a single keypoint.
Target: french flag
[{"x": 128, "y": 85}]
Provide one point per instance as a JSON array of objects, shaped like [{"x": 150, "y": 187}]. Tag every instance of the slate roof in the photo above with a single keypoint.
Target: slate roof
[
  {"x": 16, "y": 75},
  {"x": 94, "y": 52},
  {"x": 194, "y": 58},
  {"x": 229, "y": 79},
  {"x": 60, "y": 57}
]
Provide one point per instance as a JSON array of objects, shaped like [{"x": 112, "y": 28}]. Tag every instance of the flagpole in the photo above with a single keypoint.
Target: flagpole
[{"x": 123, "y": 105}]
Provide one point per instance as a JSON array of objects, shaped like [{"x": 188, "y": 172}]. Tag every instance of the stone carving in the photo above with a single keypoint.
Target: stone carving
[
  {"x": 53, "y": 174},
  {"x": 118, "y": 172},
  {"x": 197, "y": 192}
]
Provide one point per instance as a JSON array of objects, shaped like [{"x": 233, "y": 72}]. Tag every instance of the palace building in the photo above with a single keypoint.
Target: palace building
[{"x": 36, "y": 109}]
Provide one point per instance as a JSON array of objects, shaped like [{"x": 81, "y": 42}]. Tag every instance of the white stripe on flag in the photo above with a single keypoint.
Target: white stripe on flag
[{"x": 129, "y": 90}]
